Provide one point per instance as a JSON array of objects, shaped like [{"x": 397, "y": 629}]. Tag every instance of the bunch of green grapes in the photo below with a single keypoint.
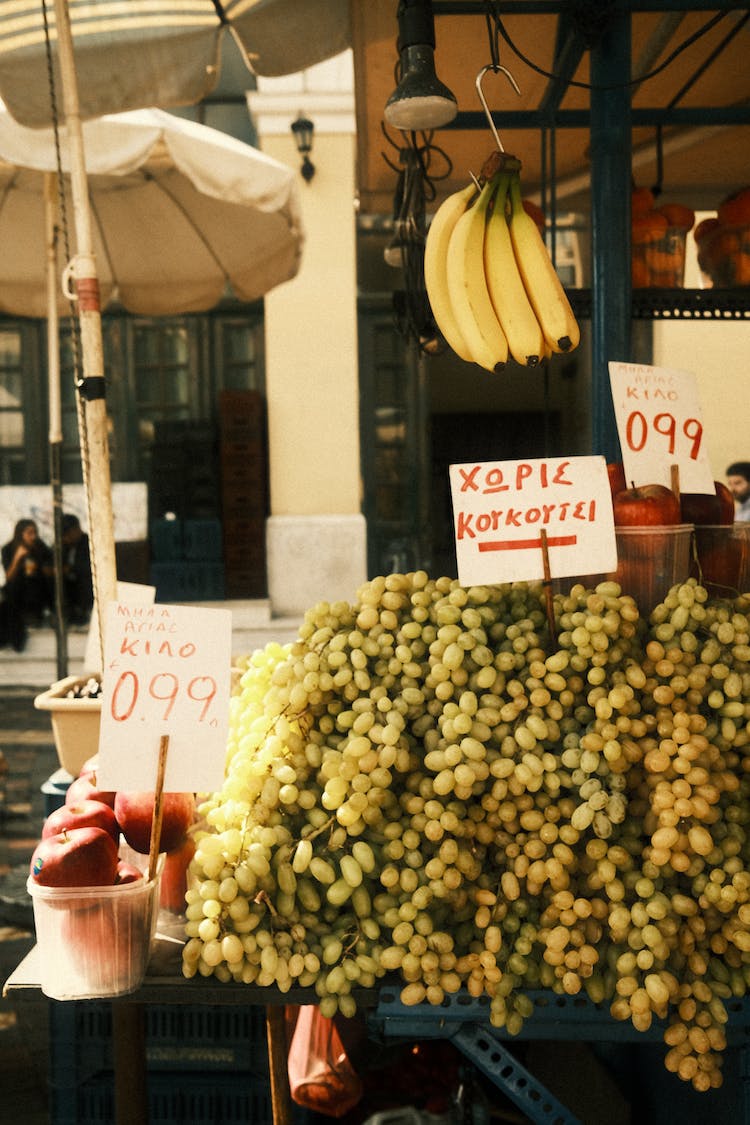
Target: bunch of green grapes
[{"x": 442, "y": 784}]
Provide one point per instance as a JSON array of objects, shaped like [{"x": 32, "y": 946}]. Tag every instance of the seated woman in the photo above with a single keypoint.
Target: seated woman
[{"x": 28, "y": 591}]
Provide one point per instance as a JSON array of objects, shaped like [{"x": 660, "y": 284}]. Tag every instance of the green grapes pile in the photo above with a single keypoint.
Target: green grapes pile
[{"x": 468, "y": 788}]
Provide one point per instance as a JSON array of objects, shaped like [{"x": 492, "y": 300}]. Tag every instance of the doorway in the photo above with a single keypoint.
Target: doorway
[{"x": 458, "y": 438}]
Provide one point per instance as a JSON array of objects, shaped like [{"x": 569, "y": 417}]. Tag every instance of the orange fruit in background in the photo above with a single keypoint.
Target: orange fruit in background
[
  {"x": 641, "y": 201},
  {"x": 742, "y": 269},
  {"x": 648, "y": 227},
  {"x": 735, "y": 210},
  {"x": 705, "y": 228},
  {"x": 640, "y": 273},
  {"x": 677, "y": 215}
]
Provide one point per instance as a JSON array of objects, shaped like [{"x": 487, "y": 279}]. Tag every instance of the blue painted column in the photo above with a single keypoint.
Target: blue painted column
[{"x": 610, "y": 222}]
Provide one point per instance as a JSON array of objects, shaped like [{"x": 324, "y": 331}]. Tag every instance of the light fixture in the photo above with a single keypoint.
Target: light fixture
[
  {"x": 302, "y": 130},
  {"x": 420, "y": 101}
]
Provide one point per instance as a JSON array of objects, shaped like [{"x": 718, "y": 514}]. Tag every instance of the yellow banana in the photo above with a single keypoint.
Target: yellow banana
[
  {"x": 435, "y": 271},
  {"x": 467, "y": 286},
  {"x": 544, "y": 288},
  {"x": 506, "y": 289}
]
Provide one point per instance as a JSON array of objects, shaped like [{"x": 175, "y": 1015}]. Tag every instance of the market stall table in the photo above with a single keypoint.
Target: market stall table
[{"x": 462, "y": 1019}]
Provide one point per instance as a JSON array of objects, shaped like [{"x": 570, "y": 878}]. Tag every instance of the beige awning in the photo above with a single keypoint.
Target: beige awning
[{"x": 159, "y": 52}]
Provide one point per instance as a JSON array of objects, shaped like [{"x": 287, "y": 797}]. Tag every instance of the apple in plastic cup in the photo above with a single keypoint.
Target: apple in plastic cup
[
  {"x": 702, "y": 508},
  {"x": 173, "y": 884},
  {"x": 85, "y": 788},
  {"x": 76, "y": 857},
  {"x": 135, "y": 811},
  {"x": 648, "y": 505},
  {"x": 111, "y": 940},
  {"x": 82, "y": 814}
]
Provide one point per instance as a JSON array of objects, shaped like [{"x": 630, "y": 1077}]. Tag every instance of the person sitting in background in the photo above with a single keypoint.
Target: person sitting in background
[
  {"x": 738, "y": 481},
  {"x": 78, "y": 588},
  {"x": 28, "y": 591}
]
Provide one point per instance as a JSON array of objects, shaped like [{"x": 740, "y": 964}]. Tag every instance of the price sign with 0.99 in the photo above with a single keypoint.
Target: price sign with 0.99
[
  {"x": 166, "y": 673},
  {"x": 660, "y": 426}
]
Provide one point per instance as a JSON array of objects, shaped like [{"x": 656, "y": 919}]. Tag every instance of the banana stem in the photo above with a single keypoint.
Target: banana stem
[
  {"x": 497, "y": 162},
  {"x": 514, "y": 193}
]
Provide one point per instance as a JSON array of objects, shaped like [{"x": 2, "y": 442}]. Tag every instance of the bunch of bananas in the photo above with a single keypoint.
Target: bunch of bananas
[{"x": 491, "y": 283}]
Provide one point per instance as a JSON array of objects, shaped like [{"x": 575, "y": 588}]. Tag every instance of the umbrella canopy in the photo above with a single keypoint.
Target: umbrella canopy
[
  {"x": 159, "y": 52},
  {"x": 179, "y": 212}
]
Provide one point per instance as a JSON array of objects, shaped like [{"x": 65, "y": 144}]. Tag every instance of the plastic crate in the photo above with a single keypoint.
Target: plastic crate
[
  {"x": 54, "y": 789},
  {"x": 166, "y": 540},
  {"x": 201, "y": 540},
  {"x": 211, "y": 1038},
  {"x": 174, "y": 1098},
  {"x": 188, "y": 581}
]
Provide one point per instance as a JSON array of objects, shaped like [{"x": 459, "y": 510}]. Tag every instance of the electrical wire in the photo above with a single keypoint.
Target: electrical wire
[{"x": 498, "y": 30}]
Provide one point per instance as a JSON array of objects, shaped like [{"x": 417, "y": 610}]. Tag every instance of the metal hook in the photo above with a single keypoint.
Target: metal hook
[{"x": 494, "y": 67}]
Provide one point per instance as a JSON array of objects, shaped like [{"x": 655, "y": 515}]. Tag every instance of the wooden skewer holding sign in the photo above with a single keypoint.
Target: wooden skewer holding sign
[
  {"x": 674, "y": 478},
  {"x": 547, "y": 583},
  {"x": 153, "y": 855}
]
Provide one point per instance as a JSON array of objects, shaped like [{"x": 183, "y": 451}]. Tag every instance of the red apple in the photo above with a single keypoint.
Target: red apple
[
  {"x": 616, "y": 474},
  {"x": 89, "y": 766},
  {"x": 135, "y": 812},
  {"x": 173, "y": 883},
  {"x": 78, "y": 857},
  {"x": 84, "y": 788},
  {"x": 127, "y": 873},
  {"x": 82, "y": 815},
  {"x": 649, "y": 505},
  {"x": 701, "y": 508}
]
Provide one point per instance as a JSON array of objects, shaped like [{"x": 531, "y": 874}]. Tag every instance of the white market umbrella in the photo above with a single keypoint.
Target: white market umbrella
[
  {"x": 179, "y": 212},
  {"x": 179, "y": 215},
  {"x": 136, "y": 53}
]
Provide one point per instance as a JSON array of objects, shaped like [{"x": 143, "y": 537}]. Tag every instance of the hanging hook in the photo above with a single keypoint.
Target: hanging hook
[{"x": 495, "y": 68}]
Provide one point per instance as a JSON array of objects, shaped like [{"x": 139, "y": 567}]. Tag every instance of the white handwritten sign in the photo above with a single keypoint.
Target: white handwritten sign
[
  {"x": 166, "y": 672},
  {"x": 659, "y": 423},
  {"x": 501, "y": 507}
]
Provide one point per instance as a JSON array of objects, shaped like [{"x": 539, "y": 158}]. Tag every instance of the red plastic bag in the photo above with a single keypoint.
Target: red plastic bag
[{"x": 321, "y": 1077}]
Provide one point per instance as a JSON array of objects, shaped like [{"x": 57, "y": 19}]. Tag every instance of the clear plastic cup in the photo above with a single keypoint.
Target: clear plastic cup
[
  {"x": 94, "y": 941},
  {"x": 650, "y": 560},
  {"x": 722, "y": 558}
]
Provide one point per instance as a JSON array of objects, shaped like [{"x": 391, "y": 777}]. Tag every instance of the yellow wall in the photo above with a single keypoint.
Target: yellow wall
[
  {"x": 717, "y": 352},
  {"x": 312, "y": 380}
]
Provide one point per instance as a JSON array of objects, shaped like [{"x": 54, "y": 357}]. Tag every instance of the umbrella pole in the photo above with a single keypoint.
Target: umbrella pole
[
  {"x": 96, "y": 445},
  {"x": 55, "y": 416}
]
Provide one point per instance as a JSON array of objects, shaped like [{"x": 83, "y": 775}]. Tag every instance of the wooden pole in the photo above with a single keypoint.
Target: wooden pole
[
  {"x": 547, "y": 583},
  {"x": 97, "y": 470},
  {"x": 281, "y": 1099},
  {"x": 153, "y": 855},
  {"x": 674, "y": 478},
  {"x": 55, "y": 415}
]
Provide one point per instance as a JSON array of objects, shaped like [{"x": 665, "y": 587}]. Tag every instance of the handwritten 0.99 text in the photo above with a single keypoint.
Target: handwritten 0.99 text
[
  {"x": 639, "y": 431},
  {"x": 165, "y": 688}
]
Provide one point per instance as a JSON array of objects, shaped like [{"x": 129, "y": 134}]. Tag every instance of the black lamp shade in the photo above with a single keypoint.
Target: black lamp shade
[{"x": 302, "y": 129}]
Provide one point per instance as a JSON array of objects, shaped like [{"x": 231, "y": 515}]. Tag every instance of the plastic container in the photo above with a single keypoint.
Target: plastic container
[
  {"x": 724, "y": 257},
  {"x": 75, "y": 722},
  {"x": 659, "y": 261},
  {"x": 722, "y": 558},
  {"x": 650, "y": 560},
  {"x": 54, "y": 790},
  {"x": 94, "y": 941}
]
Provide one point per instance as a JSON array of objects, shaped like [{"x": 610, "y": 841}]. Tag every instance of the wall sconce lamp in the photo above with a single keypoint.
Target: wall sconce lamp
[
  {"x": 302, "y": 130},
  {"x": 420, "y": 101}
]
